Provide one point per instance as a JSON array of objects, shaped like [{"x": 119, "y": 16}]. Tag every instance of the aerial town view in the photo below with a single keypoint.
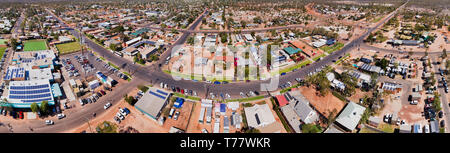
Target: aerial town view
[{"x": 224, "y": 66}]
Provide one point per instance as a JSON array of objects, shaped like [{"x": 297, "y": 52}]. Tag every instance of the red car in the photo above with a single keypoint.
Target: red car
[
  {"x": 182, "y": 91},
  {"x": 21, "y": 115}
]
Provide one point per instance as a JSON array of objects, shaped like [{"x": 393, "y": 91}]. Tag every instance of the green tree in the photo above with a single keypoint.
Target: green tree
[
  {"x": 34, "y": 107},
  {"x": 45, "y": 108}
]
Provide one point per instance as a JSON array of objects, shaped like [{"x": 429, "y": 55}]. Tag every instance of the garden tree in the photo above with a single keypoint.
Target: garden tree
[
  {"x": 350, "y": 83},
  {"x": 257, "y": 20},
  {"x": 13, "y": 43},
  {"x": 115, "y": 47},
  {"x": 320, "y": 81},
  {"x": 252, "y": 33},
  {"x": 311, "y": 128},
  {"x": 258, "y": 39},
  {"x": 444, "y": 53},
  {"x": 410, "y": 53},
  {"x": 34, "y": 107},
  {"x": 154, "y": 57},
  {"x": 437, "y": 102},
  {"x": 145, "y": 36},
  {"x": 383, "y": 63},
  {"x": 223, "y": 37},
  {"x": 190, "y": 40},
  {"x": 45, "y": 108}
]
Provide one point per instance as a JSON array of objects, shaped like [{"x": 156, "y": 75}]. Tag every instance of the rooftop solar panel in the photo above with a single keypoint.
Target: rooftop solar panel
[
  {"x": 161, "y": 92},
  {"x": 157, "y": 95}
]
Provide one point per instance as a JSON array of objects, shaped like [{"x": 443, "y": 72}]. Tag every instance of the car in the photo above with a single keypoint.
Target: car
[
  {"x": 298, "y": 80},
  {"x": 49, "y": 122},
  {"x": 126, "y": 110},
  {"x": 5, "y": 112},
  {"x": 440, "y": 114},
  {"x": 171, "y": 112},
  {"x": 122, "y": 112},
  {"x": 207, "y": 81},
  {"x": 20, "y": 114},
  {"x": 117, "y": 119},
  {"x": 93, "y": 98},
  {"x": 61, "y": 116},
  {"x": 194, "y": 93},
  {"x": 120, "y": 116},
  {"x": 426, "y": 129},
  {"x": 175, "y": 117},
  {"x": 442, "y": 123},
  {"x": 204, "y": 130},
  {"x": 361, "y": 100},
  {"x": 228, "y": 96},
  {"x": 89, "y": 100},
  {"x": 98, "y": 95},
  {"x": 242, "y": 94},
  {"x": 107, "y": 105},
  {"x": 103, "y": 92}
]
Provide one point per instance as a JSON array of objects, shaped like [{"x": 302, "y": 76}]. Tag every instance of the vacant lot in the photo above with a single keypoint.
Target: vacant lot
[
  {"x": 67, "y": 48},
  {"x": 323, "y": 104},
  {"x": 35, "y": 45}
]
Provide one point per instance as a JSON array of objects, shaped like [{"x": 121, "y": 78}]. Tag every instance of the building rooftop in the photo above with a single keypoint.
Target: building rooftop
[
  {"x": 350, "y": 116},
  {"x": 152, "y": 102},
  {"x": 259, "y": 115}
]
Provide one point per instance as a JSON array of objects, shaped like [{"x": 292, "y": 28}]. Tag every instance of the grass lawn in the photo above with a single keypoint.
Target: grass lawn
[
  {"x": 2, "y": 51},
  {"x": 187, "y": 97},
  {"x": 386, "y": 128},
  {"x": 107, "y": 127},
  {"x": 35, "y": 45},
  {"x": 289, "y": 69},
  {"x": 67, "y": 48},
  {"x": 317, "y": 57},
  {"x": 3, "y": 41},
  {"x": 331, "y": 49},
  {"x": 367, "y": 130},
  {"x": 246, "y": 99},
  {"x": 115, "y": 66}
]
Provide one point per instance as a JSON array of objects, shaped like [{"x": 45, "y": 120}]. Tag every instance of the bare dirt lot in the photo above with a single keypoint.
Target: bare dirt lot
[{"x": 323, "y": 104}]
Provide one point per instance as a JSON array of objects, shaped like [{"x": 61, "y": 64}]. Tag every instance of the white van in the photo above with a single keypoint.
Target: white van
[{"x": 171, "y": 112}]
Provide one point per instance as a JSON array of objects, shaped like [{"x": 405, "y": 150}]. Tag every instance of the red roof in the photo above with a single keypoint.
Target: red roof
[{"x": 281, "y": 100}]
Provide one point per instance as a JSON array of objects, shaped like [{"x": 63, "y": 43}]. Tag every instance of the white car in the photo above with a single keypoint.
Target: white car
[
  {"x": 49, "y": 122},
  {"x": 426, "y": 129},
  {"x": 120, "y": 116},
  {"x": 107, "y": 105},
  {"x": 204, "y": 131},
  {"x": 122, "y": 112},
  {"x": 61, "y": 116}
]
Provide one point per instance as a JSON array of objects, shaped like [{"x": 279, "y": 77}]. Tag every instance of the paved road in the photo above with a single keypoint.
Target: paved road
[
  {"x": 443, "y": 98},
  {"x": 153, "y": 74}
]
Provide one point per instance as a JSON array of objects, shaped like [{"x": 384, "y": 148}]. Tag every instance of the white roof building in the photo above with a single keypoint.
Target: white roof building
[
  {"x": 350, "y": 116},
  {"x": 259, "y": 115}
]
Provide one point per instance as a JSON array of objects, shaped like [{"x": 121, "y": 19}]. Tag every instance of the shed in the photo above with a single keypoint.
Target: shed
[{"x": 405, "y": 128}]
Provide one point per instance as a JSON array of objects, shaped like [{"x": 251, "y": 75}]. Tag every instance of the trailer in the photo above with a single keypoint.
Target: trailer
[
  {"x": 202, "y": 115},
  {"x": 216, "y": 125},
  {"x": 208, "y": 114}
]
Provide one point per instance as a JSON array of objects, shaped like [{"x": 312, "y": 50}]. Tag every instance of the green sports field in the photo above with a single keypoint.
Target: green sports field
[
  {"x": 67, "y": 48},
  {"x": 35, "y": 45}
]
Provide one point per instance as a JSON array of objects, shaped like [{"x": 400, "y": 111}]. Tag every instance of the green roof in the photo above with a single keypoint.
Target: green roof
[
  {"x": 291, "y": 50},
  {"x": 140, "y": 31}
]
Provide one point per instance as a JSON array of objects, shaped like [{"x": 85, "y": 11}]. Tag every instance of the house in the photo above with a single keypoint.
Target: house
[
  {"x": 350, "y": 116},
  {"x": 261, "y": 117},
  {"x": 333, "y": 129},
  {"x": 292, "y": 118},
  {"x": 391, "y": 87},
  {"x": 416, "y": 96},
  {"x": 303, "y": 109}
]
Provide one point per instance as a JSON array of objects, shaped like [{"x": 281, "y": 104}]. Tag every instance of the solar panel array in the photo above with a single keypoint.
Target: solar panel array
[
  {"x": 157, "y": 95},
  {"x": 34, "y": 93},
  {"x": 14, "y": 73},
  {"x": 162, "y": 92}
]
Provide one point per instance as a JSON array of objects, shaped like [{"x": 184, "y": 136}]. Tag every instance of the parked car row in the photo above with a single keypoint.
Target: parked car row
[
  {"x": 120, "y": 115},
  {"x": 178, "y": 89},
  {"x": 110, "y": 68},
  {"x": 93, "y": 98},
  {"x": 84, "y": 61},
  {"x": 174, "y": 114},
  {"x": 73, "y": 72}
]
